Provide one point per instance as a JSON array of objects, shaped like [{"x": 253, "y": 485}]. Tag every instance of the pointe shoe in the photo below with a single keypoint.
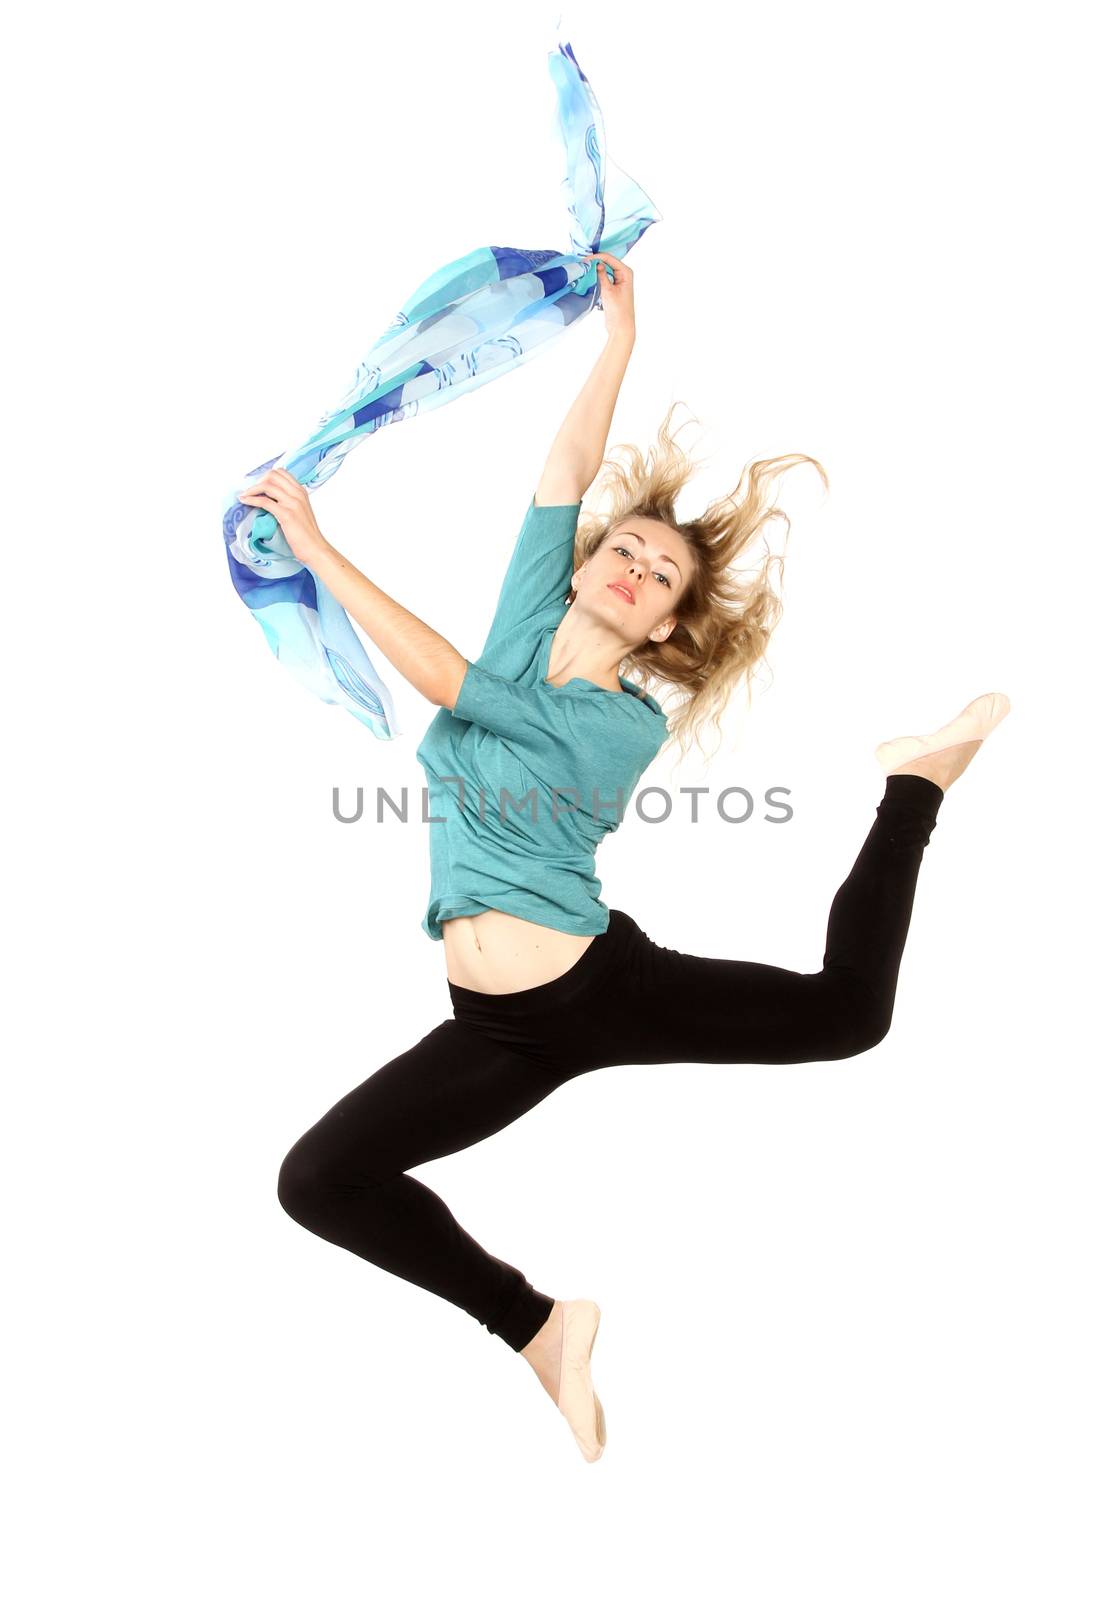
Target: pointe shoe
[
  {"x": 975, "y": 721},
  {"x": 577, "y": 1400}
]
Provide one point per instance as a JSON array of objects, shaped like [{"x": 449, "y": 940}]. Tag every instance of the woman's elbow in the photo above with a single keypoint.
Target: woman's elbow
[{"x": 450, "y": 685}]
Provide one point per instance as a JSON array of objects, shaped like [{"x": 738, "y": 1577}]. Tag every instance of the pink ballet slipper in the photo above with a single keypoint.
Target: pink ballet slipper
[
  {"x": 577, "y": 1400},
  {"x": 975, "y": 721}
]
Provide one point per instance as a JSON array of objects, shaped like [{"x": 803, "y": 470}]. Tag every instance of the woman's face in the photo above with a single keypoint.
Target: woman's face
[{"x": 635, "y": 579}]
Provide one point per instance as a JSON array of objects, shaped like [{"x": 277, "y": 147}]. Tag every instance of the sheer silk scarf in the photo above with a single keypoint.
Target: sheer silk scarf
[{"x": 469, "y": 322}]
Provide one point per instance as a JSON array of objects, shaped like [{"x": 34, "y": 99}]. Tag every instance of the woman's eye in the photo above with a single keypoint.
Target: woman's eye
[{"x": 621, "y": 551}]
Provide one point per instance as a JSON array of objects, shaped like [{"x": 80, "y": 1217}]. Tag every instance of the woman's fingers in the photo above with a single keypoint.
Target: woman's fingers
[
  {"x": 289, "y": 481},
  {"x": 273, "y": 484}
]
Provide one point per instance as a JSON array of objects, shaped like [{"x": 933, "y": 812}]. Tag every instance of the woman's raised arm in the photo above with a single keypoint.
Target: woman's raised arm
[
  {"x": 429, "y": 662},
  {"x": 580, "y": 445}
]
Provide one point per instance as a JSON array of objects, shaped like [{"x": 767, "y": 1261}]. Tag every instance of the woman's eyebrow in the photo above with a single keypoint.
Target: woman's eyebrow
[{"x": 629, "y": 534}]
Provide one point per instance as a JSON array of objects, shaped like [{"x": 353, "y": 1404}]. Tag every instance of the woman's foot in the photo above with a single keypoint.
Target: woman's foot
[
  {"x": 944, "y": 755},
  {"x": 945, "y": 766},
  {"x": 559, "y": 1354},
  {"x": 542, "y": 1352}
]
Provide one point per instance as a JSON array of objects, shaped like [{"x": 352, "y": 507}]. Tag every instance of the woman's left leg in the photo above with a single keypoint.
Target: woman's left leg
[{"x": 660, "y": 1005}]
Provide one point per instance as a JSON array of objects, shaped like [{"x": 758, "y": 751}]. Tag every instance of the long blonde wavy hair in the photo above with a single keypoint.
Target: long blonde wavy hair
[{"x": 725, "y": 619}]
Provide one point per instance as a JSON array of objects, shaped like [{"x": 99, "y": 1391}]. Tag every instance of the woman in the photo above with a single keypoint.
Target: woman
[{"x": 531, "y": 759}]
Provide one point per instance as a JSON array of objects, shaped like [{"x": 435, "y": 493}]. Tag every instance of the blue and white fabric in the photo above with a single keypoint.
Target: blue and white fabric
[{"x": 470, "y": 321}]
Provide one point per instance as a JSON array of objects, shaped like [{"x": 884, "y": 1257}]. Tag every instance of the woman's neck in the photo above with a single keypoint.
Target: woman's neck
[{"x": 569, "y": 659}]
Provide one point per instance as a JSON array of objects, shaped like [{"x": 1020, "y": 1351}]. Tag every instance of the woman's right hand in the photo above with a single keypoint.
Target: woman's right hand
[
  {"x": 617, "y": 297},
  {"x": 279, "y": 492}
]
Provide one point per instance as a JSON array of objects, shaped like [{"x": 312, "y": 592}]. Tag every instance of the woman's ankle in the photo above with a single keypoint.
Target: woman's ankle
[
  {"x": 543, "y": 1339},
  {"x": 943, "y": 767}
]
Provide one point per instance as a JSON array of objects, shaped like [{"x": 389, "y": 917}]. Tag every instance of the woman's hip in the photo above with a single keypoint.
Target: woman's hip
[{"x": 579, "y": 1019}]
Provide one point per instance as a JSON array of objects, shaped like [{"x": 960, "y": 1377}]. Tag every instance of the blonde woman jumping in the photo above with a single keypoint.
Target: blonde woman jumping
[{"x": 531, "y": 759}]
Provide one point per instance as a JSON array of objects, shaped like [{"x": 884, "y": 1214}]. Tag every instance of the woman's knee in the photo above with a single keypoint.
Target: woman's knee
[
  {"x": 305, "y": 1177},
  {"x": 866, "y": 1020},
  {"x": 319, "y": 1169},
  {"x": 850, "y": 1018},
  {"x": 844, "y": 1016}
]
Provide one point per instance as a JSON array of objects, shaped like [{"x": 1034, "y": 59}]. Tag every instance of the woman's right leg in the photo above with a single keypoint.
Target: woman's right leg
[{"x": 346, "y": 1177}]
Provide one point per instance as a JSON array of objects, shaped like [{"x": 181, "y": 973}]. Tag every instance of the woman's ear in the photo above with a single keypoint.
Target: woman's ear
[{"x": 662, "y": 630}]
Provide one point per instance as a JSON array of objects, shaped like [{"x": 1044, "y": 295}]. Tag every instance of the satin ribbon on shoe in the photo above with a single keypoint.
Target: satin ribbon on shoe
[{"x": 472, "y": 320}]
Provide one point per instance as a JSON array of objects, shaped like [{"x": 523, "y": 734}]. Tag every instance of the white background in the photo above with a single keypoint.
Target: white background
[{"x": 858, "y": 1318}]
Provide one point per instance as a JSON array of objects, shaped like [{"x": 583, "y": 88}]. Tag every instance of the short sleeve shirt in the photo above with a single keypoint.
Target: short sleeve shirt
[{"x": 525, "y": 777}]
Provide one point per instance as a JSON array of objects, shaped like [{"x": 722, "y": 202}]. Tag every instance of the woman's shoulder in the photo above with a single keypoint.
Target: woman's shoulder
[{"x": 642, "y": 699}]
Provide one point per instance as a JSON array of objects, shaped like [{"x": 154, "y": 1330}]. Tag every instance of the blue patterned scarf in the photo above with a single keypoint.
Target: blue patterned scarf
[{"x": 473, "y": 320}]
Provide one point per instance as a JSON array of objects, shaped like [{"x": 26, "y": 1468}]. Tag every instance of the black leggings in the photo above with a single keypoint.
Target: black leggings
[{"x": 625, "y": 1000}]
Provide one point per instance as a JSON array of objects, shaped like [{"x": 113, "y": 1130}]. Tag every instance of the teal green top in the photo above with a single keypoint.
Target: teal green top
[{"x": 524, "y": 776}]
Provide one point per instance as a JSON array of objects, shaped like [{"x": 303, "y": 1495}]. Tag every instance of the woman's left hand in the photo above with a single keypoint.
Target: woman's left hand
[
  {"x": 288, "y": 501},
  {"x": 617, "y": 297}
]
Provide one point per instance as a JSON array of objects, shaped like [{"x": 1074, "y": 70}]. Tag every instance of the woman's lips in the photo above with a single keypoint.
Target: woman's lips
[{"x": 617, "y": 589}]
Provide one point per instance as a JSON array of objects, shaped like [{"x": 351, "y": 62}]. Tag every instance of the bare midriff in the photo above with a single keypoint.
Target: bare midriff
[{"x": 495, "y": 953}]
